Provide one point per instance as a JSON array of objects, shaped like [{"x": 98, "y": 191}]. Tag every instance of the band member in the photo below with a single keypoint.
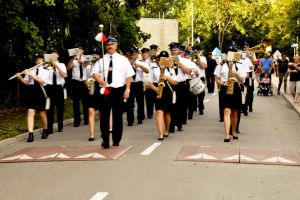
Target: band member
[
  {"x": 192, "y": 99},
  {"x": 137, "y": 88},
  {"x": 79, "y": 89},
  {"x": 210, "y": 78},
  {"x": 55, "y": 91},
  {"x": 94, "y": 98},
  {"x": 150, "y": 95},
  {"x": 178, "y": 115},
  {"x": 153, "y": 49},
  {"x": 35, "y": 81},
  {"x": 249, "y": 82},
  {"x": 161, "y": 81},
  {"x": 115, "y": 78},
  {"x": 202, "y": 64},
  {"x": 228, "y": 75}
]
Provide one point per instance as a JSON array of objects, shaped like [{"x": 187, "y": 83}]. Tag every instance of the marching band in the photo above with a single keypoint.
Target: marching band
[{"x": 115, "y": 84}]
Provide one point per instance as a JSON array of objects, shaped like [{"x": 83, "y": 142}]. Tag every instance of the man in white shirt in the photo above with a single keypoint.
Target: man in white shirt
[
  {"x": 79, "y": 88},
  {"x": 114, "y": 73},
  {"x": 137, "y": 88},
  {"x": 178, "y": 115},
  {"x": 54, "y": 88}
]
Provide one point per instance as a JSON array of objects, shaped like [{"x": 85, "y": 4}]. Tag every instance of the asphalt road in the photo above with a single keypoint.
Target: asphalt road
[{"x": 272, "y": 125}]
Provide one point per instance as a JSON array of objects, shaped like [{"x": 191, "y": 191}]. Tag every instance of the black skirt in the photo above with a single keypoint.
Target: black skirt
[
  {"x": 96, "y": 100},
  {"x": 233, "y": 101},
  {"x": 165, "y": 103},
  {"x": 35, "y": 99}
]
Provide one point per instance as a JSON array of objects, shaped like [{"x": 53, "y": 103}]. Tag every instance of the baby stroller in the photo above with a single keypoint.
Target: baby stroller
[{"x": 265, "y": 86}]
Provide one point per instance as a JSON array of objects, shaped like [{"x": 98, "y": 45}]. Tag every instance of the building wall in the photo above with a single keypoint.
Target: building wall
[{"x": 163, "y": 31}]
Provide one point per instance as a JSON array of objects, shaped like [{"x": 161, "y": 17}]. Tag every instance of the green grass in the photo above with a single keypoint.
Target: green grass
[{"x": 14, "y": 120}]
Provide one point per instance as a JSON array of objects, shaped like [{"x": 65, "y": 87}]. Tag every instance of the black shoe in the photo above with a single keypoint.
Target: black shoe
[
  {"x": 60, "y": 130},
  {"x": 86, "y": 123},
  {"x": 180, "y": 128},
  {"x": 130, "y": 124},
  {"x": 49, "y": 132},
  {"x": 235, "y": 137},
  {"x": 201, "y": 112},
  {"x": 245, "y": 114},
  {"x": 140, "y": 121},
  {"x": 221, "y": 120},
  {"x": 185, "y": 122},
  {"x": 227, "y": 140},
  {"x": 105, "y": 145},
  {"x": 250, "y": 110},
  {"x": 171, "y": 130},
  {"x": 76, "y": 125},
  {"x": 115, "y": 144},
  {"x": 149, "y": 116},
  {"x": 44, "y": 136},
  {"x": 190, "y": 117},
  {"x": 91, "y": 139},
  {"x": 161, "y": 139},
  {"x": 237, "y": 131},
  {"x": 30, "y": 137}
]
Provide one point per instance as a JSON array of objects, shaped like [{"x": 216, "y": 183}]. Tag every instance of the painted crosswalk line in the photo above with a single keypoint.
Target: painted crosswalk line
[{"x": 150, "y": 149}]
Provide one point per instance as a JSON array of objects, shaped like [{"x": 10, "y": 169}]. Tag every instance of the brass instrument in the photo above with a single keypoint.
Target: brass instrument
[
  {"x": 265, "y": 46},
  {"x": 231, "y": 80},
  {"x": 195, "y": 58},
  {"x": 154, "y": 58},
  {"x": 91, "y": 85},
  {"x": 161, "y": 83}
]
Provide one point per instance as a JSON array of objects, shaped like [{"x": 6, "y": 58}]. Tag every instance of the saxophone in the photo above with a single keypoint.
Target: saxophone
[
  {"x": 161, "y": 83},
  {"x": 91, "y": 85},
  {"x": 231, "y": 80}
]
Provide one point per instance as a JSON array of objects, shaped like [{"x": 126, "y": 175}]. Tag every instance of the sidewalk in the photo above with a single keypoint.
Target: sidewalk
[{"x": 287, "y": 96}]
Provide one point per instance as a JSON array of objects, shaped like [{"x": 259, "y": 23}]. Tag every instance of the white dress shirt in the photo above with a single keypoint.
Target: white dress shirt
[
  {"x": 42, "y": 74},
  {"x": 221, "y": 71},
  {"x": 76, "y": 71},
  {"x": 59, "y": 79},
  {"x": 154, "y": 74},
  {"x": 139, "y": 73},
  {"x": 122, "y": 69},
  {"x": 181, "y": 75}
]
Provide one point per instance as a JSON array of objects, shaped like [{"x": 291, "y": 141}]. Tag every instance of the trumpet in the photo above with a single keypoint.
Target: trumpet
[
  {"x": 195, "y": 58},
  {"x": 154, "y": 58}
]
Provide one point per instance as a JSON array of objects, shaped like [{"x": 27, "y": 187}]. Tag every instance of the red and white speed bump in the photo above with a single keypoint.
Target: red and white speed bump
[
  {"x": 46, "y": 154},
  {"x": 269, "y": 156},
  {"x": 209, "y": 154}
]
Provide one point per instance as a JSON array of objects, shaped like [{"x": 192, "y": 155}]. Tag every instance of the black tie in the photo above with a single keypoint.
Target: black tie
[
  {"x": 54, "y": 78},
  {"x": 109, "y": 75},
  {"x": 81, "y": 71},
  {"x": 134, "y": 69}
]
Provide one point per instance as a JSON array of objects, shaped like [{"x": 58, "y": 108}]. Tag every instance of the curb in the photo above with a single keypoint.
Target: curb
[
  {"x": 36, "y": 132},
  {"x": 289, "y": 100}
]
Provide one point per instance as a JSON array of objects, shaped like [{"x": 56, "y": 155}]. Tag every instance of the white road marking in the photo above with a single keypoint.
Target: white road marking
[
  {"x": 247, "y": 158},
  {"x": 279, "y": 159},
  {"x": 13, "y": 157},
  {"x": 201, "y": 156},
  {"x": 235, "y": 157},
  {"x": 86, "y": 155},
  {"x": 49, "y": 156},
  {"x": 61, "y": 155},
  {"x": 97, "y": 155},
  {"x": 149, "y": 150},
  {"x": 25, "y": 157},
  {"x": 206, "y": 100},
  {"x": 99, "y": 196}
]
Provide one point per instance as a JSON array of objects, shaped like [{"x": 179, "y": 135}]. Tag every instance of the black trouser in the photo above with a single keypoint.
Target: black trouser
[
  {"x": 282, "y": 76},
  {"x": 191, "y": 101},
  {"x": 210, "y": 78},
  {"x": 112, "y": 102},
  {"x": 136, "y": 92},
  {"x": 178, "y": 114},
  {"x": 221, "y": 107},
  {"x": 80, "y": 93},
  {"x": 56, "y": 95},
  {"x": 200, "y": 98},
  {"x": 150, "y": 96},
  {"x": 249, "y": 98}
]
